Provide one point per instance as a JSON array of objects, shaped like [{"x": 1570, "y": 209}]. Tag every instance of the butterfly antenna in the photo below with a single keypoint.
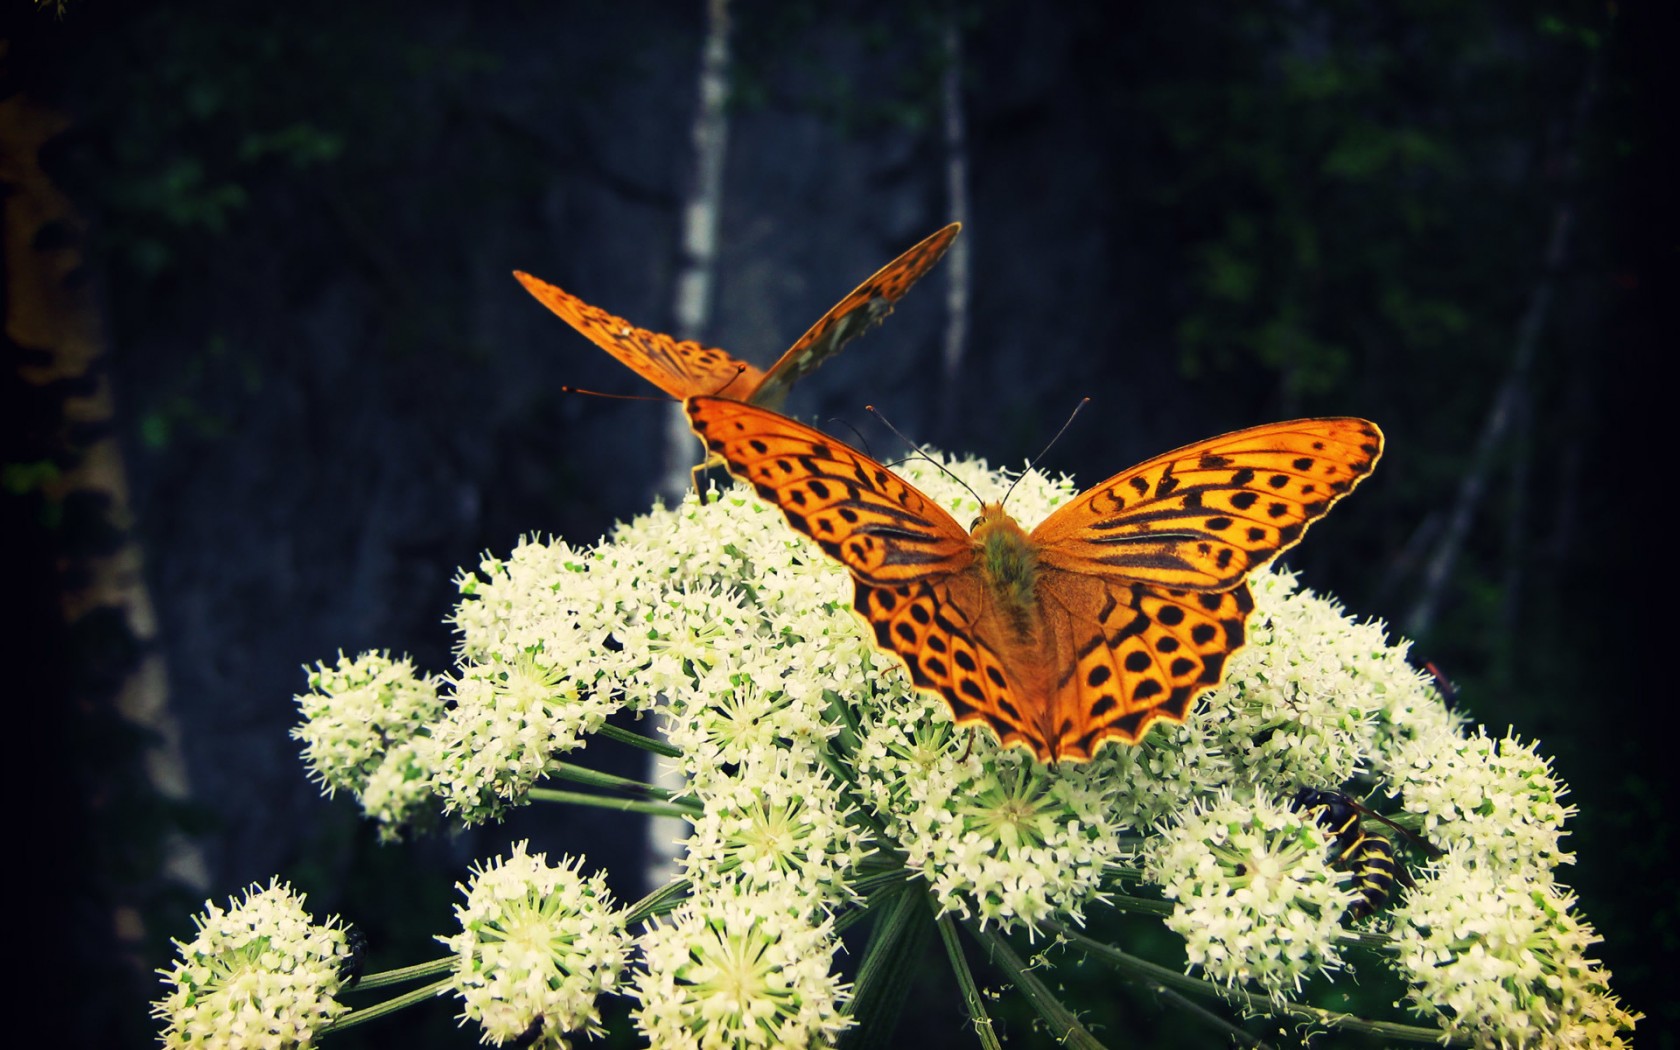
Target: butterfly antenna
[
  {"x": 917, "y": 451},
  {"x": 1031, "y": 463},
  {"x": 862, "y": 441},
  {"x": 610, "y": 397}
]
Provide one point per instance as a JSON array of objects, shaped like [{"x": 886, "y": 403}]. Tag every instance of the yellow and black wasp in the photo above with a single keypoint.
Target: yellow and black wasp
[{"x": 1368, "y": 854}]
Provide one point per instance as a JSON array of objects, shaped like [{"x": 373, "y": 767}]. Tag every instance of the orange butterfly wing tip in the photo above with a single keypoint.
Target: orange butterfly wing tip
[
  {"x": 681, "y": 368},
  {"x": 854, "y": 315}
]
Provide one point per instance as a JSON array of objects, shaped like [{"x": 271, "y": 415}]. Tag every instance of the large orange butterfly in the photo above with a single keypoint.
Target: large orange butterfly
[
  {"x": 1120, "y": 608},
  {"x": 685, "y": 368}
]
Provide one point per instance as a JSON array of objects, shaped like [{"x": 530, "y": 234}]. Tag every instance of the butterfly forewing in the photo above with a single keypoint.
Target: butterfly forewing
[
  {"x": 680, "y": 368},
  {"x": 1204, "y": 516},
  {"x": 862, "y": 514},
  {"x": 852, "y": 316}
]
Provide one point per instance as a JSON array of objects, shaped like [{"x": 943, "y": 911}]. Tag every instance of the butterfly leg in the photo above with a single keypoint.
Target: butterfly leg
[{"x": 694, "y": 476}]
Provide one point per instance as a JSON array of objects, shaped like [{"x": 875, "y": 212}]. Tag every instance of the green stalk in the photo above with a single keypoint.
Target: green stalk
[
  {"x": 888, "y": 967},
  {"x": 595, "y": 778},
  {"x": 405, "y": 974},
  {"x": 389, "y": 1006},
  {"x": 1154, "y": 973},
  {"x": 970, "y": 991},
  {"x": 646, "y": 743},
  {"x": 1065, "y": 1028},
  {"x": 665, "y": 898},
  {"x": 629, "y": 805}
]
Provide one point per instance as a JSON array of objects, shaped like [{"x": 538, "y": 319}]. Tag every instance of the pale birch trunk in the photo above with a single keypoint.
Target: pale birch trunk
[
  {"x": 695, "y": 278},
  {"x": 51, "y": 314}
]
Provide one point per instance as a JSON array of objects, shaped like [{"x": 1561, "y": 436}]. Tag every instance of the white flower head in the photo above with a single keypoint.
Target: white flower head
[
  {"x": 778, "y": 822},
  {"x": 1502, "y": 962},
  {"x": 260, "y": 973},
  {"x": 357, "y": 710},
  {"x": 539, "y": 944},
  {"x": 399, "y": 793},
  {"x": 1254, "y": 896},
  {"x": 1497, "y": 799},
  {"x": 740, "y": 969},
  {"x": 997, "y": 836},
  {"x": 512, "y": 717}
]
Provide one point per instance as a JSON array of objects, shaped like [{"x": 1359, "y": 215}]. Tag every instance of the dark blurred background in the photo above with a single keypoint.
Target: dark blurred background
[{"x": 301, "y": 387}]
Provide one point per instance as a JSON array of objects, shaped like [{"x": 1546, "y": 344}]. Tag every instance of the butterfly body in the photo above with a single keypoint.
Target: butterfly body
[
  {"x": 1118, "y": 609},
  {"x": 1008, "y": 562}
]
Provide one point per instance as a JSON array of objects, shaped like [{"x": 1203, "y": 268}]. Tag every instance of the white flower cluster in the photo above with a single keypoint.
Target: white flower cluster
[
  {"x": 260, "y": 974},
  {"x": 814, "y": 764},
  {"x": 751, "y": 969},
  {"x": 362, "y": 717},
  {"x": 1497, "y": 799},
  {"x": 1255, "y": 897},
  {"x": 1502, "y": 962},
  {"x": 539, "y": 944}
]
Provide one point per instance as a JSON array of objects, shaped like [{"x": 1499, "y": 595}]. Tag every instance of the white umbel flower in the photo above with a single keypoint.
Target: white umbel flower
[
  {"x": 538, "y": 942},
  {"x": 748, "y": 969},
  {"x": 356, "y": 711},
  {"x": 1503, "y": 962},
  {"x": 259, "y": 974},
  {"x": 1497, "y": 799},
  {"x": 1253, "y": 895}
]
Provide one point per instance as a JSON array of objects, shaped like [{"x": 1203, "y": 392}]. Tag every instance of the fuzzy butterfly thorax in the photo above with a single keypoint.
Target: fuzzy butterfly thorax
[
  {"x": 1008, "y": 563},
  {"x": 1118, "y": 609}
]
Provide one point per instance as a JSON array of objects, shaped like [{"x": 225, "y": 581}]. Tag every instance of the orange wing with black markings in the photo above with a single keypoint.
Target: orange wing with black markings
[
  {"x": 684, "y": 368},
  {"x": 1119, "y": 609}
]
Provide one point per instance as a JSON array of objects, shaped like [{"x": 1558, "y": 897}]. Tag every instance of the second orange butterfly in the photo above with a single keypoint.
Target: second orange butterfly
[{"x": 684, "y": 368}]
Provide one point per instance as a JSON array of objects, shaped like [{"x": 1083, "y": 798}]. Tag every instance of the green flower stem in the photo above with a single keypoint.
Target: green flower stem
[
  {"x": 1142, "y": 905},
  {"x": 1377, "y": 942},
  {"x": 970, "y": 991},
  {"x": 595, "y": 778},
  {"x": 1065, "y": 1028},
  {"x": 1154, "y": 973},
  {"x": 629, "y": 805},
  {"x": 389, "y": 1006},
  {"x": 1230, "y": 1029},
  {"x": 405, "y": 974},
  {"x": 666, "y": 898},
  {"x": 887, "y": 970},
  {"x": 646, "y": 743},
  {"x": 868, "y": 882}
]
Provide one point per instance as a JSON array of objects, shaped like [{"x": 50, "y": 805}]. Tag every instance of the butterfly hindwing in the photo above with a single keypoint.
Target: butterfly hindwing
[
  {"x": 925, "y": 626},
  {"x": 862, "y": 514},
  {"x": 681, "y": 368},
  {"x": 1204, "y": 516},
  {"x": 1129, "y": 653}
]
